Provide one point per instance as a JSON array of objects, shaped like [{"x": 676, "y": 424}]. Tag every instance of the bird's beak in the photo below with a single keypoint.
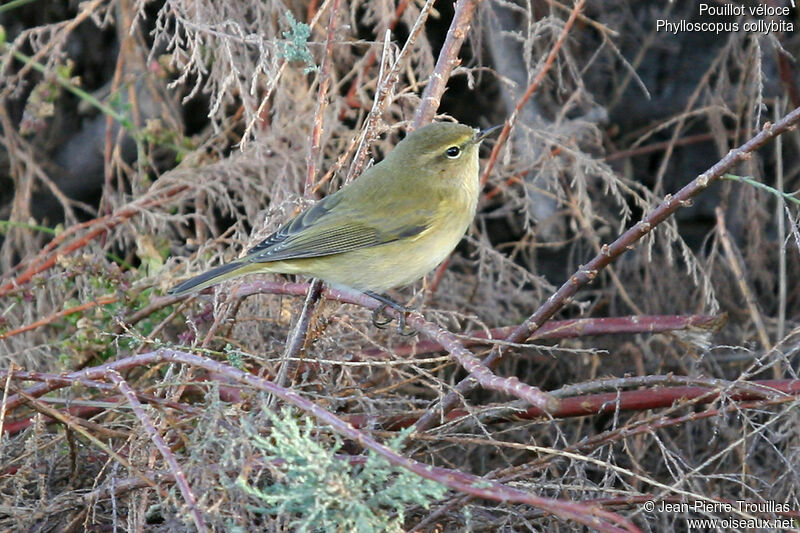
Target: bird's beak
[{"x": 482, "y": 134}]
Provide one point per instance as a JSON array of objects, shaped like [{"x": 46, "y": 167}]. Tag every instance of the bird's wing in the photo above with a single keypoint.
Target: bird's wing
[{"x": 322, "y": 230}]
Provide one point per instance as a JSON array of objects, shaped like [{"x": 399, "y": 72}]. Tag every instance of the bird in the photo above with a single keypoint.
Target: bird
[{"x": 388, "y": 228}]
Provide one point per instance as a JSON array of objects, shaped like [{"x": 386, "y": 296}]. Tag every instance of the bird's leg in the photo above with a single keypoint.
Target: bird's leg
[{"x": 378, "y": 322}]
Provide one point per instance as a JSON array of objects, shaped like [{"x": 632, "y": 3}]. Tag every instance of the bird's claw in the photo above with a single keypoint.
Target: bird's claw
[
  {"x": 402, "y": 328},
  {"x": 380, "y": 320}
]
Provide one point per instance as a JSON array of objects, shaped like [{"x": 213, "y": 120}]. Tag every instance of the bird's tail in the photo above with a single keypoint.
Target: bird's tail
[{"x": 214, "y": 276}]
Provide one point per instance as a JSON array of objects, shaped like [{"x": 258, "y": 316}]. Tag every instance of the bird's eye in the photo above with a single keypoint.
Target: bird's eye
[{"x": 453, "y": 152}]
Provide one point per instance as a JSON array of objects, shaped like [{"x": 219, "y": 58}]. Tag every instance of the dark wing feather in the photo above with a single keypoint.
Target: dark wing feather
[
  {"x": 333, "y": 233},
  {"x": 274, "y": 242}
]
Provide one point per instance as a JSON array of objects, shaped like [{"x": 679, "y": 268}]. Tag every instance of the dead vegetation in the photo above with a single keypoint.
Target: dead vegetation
[{"x": 639, "y": 298}]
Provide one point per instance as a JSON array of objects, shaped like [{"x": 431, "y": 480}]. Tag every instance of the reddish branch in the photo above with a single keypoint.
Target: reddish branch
[
  {"x": 773, "y": 391},
  {"x": 78, "y": 427},
  {"x": 640, "y": 426},
  {"x": 103, "y": 300},
  {"x": 565, "y": 329},
  {"x": 79, "y": 413},
  {"x": 661, "y": 392},
  {"x": 788, "y": 74},
  {"x": 661, "y": 146},
  {"x": 441, "y": 339},
  {"x": 56, "y": 381},
  {"x": 770, "y": 391},
  {"x": 653, "y": 398}
]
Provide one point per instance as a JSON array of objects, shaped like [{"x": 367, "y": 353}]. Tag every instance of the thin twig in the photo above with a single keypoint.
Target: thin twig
[
  {"x": 60, "y": 381},
  {"x": 534, "y": 85},
  {"x": 166, "y": 453},
  {"x": 447, "y": 340},
  {"x": 258, "y": 116},
  {"x": 586, "y": 226},
  {"x": 642, "y": 400},
  {"x": 350, "y": 99},
  {"x": 659, "y": 146},
  {"x": 511, "y": 385},
  {"x": 479, "y": 373},
  {"x": 602, "y": 28},
  {"x": 4, "y": 403},
  {"x": 734, "y": 263},
  {"x": 297, "y": 339},
  {"x": 784, "y": 196},
  {"x": 76, "y": 426},
  {"x": 385, "y": 84},
  {"x": 20, "y": 151},
  {"x": 322, "y": 103},
  {"x": 87, "y": 10},
  {"x": 126, "y": 51},
  {"x": 781, "y": 223},
  {"x": 647, "y": 425},
  {"x": 683, "y": 117},
  {"x": 69, "y": 85}
]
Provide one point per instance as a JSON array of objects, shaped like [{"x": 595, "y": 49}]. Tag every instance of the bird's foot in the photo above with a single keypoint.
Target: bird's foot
[{"x": 380, "y": 319}]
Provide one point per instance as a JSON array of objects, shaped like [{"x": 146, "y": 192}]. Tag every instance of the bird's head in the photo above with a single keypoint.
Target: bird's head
[{"x": 440, "y": 148}]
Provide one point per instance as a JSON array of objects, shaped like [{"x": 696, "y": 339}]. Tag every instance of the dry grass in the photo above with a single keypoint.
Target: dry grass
[{"x": 232, "y": 123}]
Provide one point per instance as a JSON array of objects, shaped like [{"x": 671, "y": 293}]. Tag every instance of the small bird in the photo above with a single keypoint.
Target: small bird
[{"x": 388, "y": 228}]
